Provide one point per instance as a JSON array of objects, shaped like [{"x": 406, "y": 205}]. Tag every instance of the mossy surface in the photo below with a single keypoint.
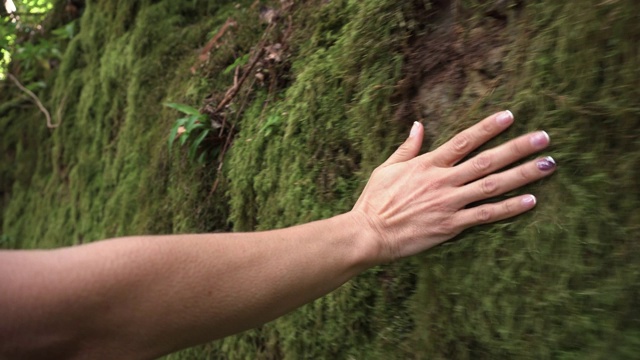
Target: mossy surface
[{"x": 559, "y": 282}]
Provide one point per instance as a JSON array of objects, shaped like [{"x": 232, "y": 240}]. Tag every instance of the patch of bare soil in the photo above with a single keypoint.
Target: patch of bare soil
[{"x": 456, "y": 57}]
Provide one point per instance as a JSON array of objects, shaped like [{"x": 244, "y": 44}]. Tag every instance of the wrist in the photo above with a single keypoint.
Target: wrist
[{"x": 368, "y": 238}]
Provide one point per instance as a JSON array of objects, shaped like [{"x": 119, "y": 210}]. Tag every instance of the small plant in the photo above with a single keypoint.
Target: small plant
[
  {"x": 241, "y": 61},
  {"x": 66, "y": 32},
  {"x": 272, "y": 123},
  {"x": 190, "y": 128}
]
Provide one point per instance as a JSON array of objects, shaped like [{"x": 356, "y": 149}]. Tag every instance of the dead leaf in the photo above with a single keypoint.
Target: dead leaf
[
  {"x": 268, "y": 15},
  {"x": 274, "y": 52}
]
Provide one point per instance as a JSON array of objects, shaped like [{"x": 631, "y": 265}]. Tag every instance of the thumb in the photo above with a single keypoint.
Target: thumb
[{"x": 410, "y": 148}]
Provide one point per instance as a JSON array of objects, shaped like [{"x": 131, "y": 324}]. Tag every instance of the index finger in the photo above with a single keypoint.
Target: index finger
[{"x": 470, "y": 139}]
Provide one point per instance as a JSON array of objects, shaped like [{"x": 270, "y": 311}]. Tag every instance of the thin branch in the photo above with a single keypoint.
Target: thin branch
[
  {"x": 25, "y": 14},
  {"x": 36, "y": 100},
  {"x": 204, "y": 53},
  {"x": 231, "y": 93}
]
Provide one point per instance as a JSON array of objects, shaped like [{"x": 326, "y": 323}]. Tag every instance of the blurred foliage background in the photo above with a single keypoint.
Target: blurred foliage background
[
  {"x": 21, "y": 30},
  {"x": 325, "y": 91}
]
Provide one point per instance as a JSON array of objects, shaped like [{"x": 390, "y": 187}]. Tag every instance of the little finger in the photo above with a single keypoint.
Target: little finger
[{"x": 488, "y": 213}]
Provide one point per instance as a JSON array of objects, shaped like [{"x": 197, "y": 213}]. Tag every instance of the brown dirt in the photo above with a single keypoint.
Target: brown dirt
[{"x": 456, "y": 57}]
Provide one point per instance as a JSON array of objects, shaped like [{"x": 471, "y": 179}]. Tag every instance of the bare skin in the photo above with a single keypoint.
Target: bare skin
[{"x": 145, "y": 296}]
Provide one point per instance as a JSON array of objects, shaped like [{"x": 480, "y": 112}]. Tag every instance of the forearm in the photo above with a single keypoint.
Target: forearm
[{"x": 152, "y": 295}]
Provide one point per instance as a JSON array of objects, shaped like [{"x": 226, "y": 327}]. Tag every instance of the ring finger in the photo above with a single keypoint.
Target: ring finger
[{"x": 497, "y": 184}]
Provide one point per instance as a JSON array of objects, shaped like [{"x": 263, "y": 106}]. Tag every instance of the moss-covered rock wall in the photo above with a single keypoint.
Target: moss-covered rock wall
[{"x": 339, "y": 84}]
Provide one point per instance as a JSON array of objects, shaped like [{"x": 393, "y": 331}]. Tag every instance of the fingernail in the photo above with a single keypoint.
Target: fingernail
[
  {"x": 540, "y": 139},
  {"x": 504, "y": 118},
  {"x": 546, "y": 163},
  {"x": 529, "y": 201},
  {"x": 414, "y": 129}
]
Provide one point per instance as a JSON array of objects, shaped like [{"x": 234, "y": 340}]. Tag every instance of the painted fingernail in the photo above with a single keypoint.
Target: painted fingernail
[
  {"x": 546, "y": 164},
  {"x": 414, "y": 129},
  {"x": 504, "y": 118},
  {"x": 529, "y": 201},
  {"x": 540, "y": 139}
]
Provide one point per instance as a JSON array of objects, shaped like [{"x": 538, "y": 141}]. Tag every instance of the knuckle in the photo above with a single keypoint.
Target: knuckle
[
  {"x": 405, "y": 146},
  {"x": 488, "y": 127},
  {"x": 461, "y": 143},
  {"x": 483, "y": 214},
  {"x": 424, "y": 164},
  {"x": 447, "y": 228},
  {"x": 523, "y": 173},
  {"x": 436, "y": 183},
  {"x": 519, "y": 148},
  {"x": 489, "y": 186},
  {"x": 402, "y": 151},
  {"x": 481, "y": 163},
  {"x": 508, "y": 207}
]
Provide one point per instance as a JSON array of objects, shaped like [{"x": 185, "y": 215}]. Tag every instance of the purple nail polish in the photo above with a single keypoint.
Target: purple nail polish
[
  {"x": 546, "y": 164},
  {"x": 540, "y": 139}
]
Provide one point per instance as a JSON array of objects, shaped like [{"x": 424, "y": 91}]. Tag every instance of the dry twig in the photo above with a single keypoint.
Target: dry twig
[
  {"x": 231, "y": 93},
  {"x": 204, "y": 54},
  {"x": 35, "y": 98}
]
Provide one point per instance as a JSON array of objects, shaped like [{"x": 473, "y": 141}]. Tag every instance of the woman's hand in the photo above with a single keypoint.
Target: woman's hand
[{"x": 415, "y": 202}]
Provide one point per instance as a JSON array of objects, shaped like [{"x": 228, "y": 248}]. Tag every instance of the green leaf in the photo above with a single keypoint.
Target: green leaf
[
  {"x": 201, "y": 158},
  {"x": 192, "y": 124},
  {"x": 65, "y": 32},
  {"x": 272, "y": 122},
  {"x": 173, "y": 133},
  {"x": 182, "y": 121},
  {"x": 201, "y": 137},
  {"x": 185, "y": 109},
  {"x": 239, "y": 62},
  {"x": 183, "y": 138},
  {"x": 196, "y": 143}
]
